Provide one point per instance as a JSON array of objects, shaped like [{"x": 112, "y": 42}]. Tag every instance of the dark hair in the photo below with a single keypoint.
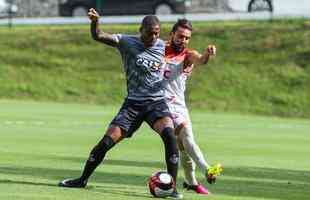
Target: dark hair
[
  {"x": 150, "y": 20},
  {"x": 184, "y": 23}
]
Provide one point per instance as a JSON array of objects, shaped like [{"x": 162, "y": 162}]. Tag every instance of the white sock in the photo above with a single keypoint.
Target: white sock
[
  {"x": 192, "y": 149},
  {"x": 189, "y": 168}
]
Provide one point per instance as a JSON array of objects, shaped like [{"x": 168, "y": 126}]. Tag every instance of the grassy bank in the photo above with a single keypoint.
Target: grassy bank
[{"x": 261, "y": 67}]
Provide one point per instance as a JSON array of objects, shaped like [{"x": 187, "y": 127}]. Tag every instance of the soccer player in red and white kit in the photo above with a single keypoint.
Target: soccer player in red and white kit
[{"x": 179, "y": 64}]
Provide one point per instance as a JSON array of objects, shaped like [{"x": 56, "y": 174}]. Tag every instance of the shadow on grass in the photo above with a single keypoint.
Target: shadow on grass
[
  {"x": 59, "y": 174},
  {"x": 264, "y": 183},
  {"x": 97, "y": 189},
  {"x": 6, "y": 181},
  {"x": 242, "y": 182},
  {"x": 150, "y": 164},
  {"x": 130, "y": 163},
  {"x": 117, "y": 191},
  {"x": 269, "y": 173}
]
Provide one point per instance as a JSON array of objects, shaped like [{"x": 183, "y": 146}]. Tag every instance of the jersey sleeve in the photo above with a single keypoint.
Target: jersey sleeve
[
  {"x": 122, "y": 41},
  {"x": 117, "y": 37}
]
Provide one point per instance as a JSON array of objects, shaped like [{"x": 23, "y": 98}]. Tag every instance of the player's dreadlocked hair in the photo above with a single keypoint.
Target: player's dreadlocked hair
[
  {"x": 150, "y": 20},
  {"x": 184, "y": 23}
]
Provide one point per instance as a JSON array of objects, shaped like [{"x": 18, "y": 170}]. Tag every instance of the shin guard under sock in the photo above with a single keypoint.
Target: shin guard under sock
[
  {"x": 96, "y": 156},
  {"x": 171, "y": 151}
]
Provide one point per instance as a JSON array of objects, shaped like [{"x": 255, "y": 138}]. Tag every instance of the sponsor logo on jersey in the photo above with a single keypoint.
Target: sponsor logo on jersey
[
  {"x": 167, "y": 74},
  {"x": 150, "y": 64}
]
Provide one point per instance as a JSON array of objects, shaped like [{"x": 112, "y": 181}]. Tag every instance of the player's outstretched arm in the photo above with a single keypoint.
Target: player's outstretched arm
[
  {"x": 199, "y": 59},
  {"x": 96, "y": 33}
]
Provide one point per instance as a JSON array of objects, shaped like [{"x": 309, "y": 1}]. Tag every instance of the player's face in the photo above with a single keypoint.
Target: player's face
[
  {"x": 150, "y": 34},
  {"x": 181, "y": 37}
]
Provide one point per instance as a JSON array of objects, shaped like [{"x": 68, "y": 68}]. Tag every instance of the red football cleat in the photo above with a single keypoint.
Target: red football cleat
[{"x": 199, "y": 189}]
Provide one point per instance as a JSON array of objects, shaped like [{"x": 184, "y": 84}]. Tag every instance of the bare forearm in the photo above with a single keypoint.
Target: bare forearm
[
  {"x": 94, "y": 30},
  {"x": 101, "y": 36},
  {"x": 198, "y": 59},
  {"x": 203, "y": 59}
]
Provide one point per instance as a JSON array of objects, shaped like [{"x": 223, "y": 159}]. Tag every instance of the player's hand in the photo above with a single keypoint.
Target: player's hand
[
  {"x": 188, "y": 68},
  {"x": 93, "y": 15},
  {"x": 211, "y": 50}
]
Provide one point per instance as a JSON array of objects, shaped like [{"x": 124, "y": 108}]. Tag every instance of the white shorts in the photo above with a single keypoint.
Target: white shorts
[{"x": 180, "y": 115}]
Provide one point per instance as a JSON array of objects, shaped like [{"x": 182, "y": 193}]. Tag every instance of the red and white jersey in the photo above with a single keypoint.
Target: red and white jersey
[{"x": 175, "y": 77}]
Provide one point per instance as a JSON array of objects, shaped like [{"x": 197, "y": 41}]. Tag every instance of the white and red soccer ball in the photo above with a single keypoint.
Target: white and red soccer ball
[{"x": 161, "y": 184}]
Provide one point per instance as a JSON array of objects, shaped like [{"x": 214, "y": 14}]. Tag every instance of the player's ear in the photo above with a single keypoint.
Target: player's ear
[{"x": 171, "y": 35}]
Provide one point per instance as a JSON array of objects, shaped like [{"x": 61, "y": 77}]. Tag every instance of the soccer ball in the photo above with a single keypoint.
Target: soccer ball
[{"x": 161, "y": 184}]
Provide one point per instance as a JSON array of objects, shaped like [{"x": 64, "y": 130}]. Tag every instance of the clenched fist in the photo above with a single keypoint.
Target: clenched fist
[
  {"x": 211, "y": 50},
  {"x": 93, "y": 15}
]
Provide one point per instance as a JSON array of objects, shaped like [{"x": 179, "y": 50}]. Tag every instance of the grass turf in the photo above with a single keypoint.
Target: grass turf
[{"x": 42, "y": 143}]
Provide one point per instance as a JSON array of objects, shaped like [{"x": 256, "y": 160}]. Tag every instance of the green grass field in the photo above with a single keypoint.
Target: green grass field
[{"x": 42, "y": 143}]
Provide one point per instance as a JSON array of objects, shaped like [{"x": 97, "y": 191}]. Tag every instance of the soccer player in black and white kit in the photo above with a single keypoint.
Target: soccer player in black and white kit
[{"x": 143, "y": 58}]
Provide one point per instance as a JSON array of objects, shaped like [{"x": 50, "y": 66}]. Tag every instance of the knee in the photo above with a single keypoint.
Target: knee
[
  {"x": 115, "y": 132},
  {"x": 185, "y": 133},
  {"x": 168, "y": 135},
  {"x": 161, "y": 124}
]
